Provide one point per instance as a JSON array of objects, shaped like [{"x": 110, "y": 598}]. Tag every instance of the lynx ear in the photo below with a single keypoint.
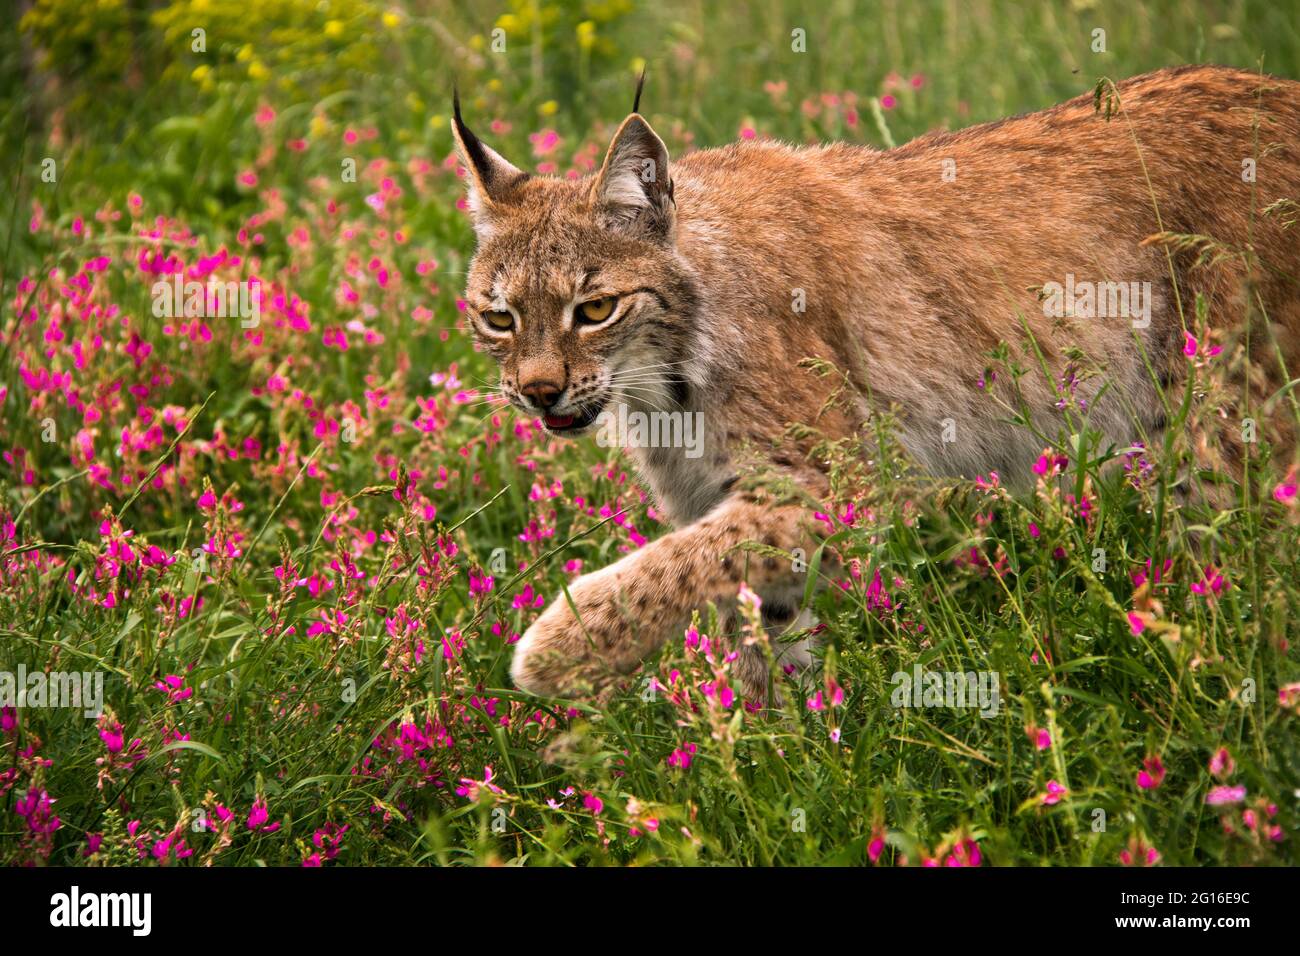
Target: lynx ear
[
  {"x": 490, "y": 177},
  {"x": 634, "y": 190}
]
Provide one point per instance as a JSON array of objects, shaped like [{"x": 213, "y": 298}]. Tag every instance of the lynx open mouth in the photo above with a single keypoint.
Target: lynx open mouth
[{"x": 562, "y": 424}]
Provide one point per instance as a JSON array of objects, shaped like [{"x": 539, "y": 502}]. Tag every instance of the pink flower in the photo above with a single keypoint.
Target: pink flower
[
  {"x": 257, "y": 817},
  {"x": 593, "y": 803},
  {"x": 964, "y": 853},
  {"x": 329, "y": 839},
  {"x": 1138, "y": 853},
  {"x": 1286, "y": 489},
  {"x": 112, "y": 737},
  {"x": 173, "y": 685},
  {"x": 1152, "y": 773},
  {"x": 470, "y": 789},
  {"x": 1054, "y": 793},
  {"x": 681, "y": 758},
  {"x": 1221, "y": 764},
  {"x": 1212, "y": 585},
  {"x": 1191, "y": 347},
  {"x": 875, "y": 847},
  {"x": 1225, "y": 796},
  {"x": 1049, "y": 464}
]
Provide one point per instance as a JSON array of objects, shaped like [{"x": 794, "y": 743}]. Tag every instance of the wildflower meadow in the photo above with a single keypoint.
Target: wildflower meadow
[{"x": 268, "y": 534}]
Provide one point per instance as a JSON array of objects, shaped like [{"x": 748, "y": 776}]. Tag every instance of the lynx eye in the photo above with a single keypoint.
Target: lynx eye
[
  {"x": 501, "y": 321},
  {"x": 597, "y": 310}
]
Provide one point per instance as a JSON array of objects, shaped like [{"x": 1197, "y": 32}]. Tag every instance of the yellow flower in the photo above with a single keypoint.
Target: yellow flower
[
  {"x": 319, "y": 126},
  {"x": 476, "y": 42},
  {"x": 391, "y": 19},
  {"x": 256, "y": 71},
  {"x": 549, "y": 108},
  {"x": 245, "y": 53},
  {"x": 494, "y": 85},
  {"x": 586, "y": 34},
  {"x": 334, "y": 29},
  {"x": 508, "y": 22},
  {"x": 638, "y": 64},
  {"x": 200, "y": 72},
  {"x": 437, "y": 121}
]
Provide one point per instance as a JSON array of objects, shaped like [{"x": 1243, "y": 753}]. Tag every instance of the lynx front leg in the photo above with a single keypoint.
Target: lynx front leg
[{"x": 627, "y": 610}]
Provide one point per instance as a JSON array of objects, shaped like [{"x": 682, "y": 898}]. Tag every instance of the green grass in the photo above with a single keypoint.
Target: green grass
[{"x": 292, "y": 718}]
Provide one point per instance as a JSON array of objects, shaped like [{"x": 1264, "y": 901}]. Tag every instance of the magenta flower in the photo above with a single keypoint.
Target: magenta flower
[
  {"x": 1054, "y": 793},
  {"x": 1040, "y": 736},
  {"x": 964, "y": 853},
  {"x": 257, "y": 817},
  {"x": 1212, "y": 585},
  {"x": 1225, "y": 796},
  {"x": 112, "y": 737},
  {"x": 1191, "y": 347},
  {"x": 470, "y": 789},
  {"x": 1050, "y": 464},
  {"x": 329, "y": 839},
  {"x": 1152, "y": 773},
  {"x": 171, "y": 847},
  {"x": 1221, "y": 764},
  {"x": 1138, "y": 853},
  {"x": 173, "y": 685},
  {"x": 681, "y": 758},
  {"x": 875, "y": 847},
  {"x": 1286, "y": 489}
]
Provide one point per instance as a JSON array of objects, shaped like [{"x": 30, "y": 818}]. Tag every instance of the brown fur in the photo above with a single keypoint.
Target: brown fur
[{"x": 908, "y": 278}]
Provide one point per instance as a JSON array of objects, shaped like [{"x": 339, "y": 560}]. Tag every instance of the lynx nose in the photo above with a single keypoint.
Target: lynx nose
[{"x": 544, "y": 393}]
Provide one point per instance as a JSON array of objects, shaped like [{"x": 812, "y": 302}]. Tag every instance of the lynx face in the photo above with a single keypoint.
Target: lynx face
[{"x": 576, "y": 288}]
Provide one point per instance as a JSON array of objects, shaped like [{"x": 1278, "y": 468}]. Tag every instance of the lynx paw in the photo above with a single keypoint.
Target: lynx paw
[{"x": 559, "y": 654}]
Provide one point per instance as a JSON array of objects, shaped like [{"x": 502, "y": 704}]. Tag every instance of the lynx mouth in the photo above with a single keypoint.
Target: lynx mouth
[{"x": 575, "y": 423}]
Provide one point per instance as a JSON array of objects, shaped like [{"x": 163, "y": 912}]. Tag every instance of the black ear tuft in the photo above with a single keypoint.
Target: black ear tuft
[
  {"x": 474, "y": 151},
  {"x": 491, "y": 178},
  {"x": 636, "y": 102}
]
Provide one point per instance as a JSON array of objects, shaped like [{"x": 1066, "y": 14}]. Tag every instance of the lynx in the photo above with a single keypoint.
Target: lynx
[{"x": 702, "y": 284}]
